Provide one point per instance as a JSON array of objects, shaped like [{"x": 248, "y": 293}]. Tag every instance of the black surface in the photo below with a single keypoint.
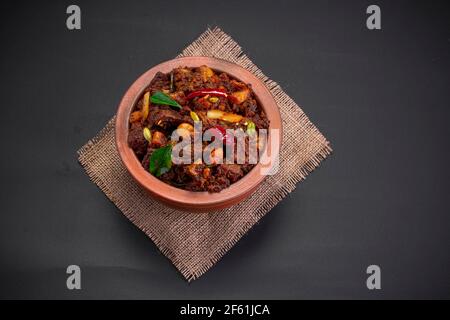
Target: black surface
[{"x": 381, "y": 97}]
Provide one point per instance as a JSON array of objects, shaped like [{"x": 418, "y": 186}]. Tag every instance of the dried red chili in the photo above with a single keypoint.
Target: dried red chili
[{"x": 204, "y": 92}]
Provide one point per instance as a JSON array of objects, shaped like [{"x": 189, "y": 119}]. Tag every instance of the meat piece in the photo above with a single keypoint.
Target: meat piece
[
  {"x": 158, "y": 139},
  {"x": 260, "y": 122},
  {"x": 224, "y": 80},
  {"x": 136, "y": 139},
  {"x": 247, "y": 167},
  {"x": 183, "y": 77},
  {"x": 206, "y": 122},
  {"x": 218, "y": 184},
  {"x": 179, "y": 97},
  {"x": 168, "y": 176},
  {"x": 195, "y": 170},
  {"x": 240, "y": 96},
  {"x": 206, "y": 72},
  {"x": 146, "y": 159},
  {"x": 206, "y": 173},
  {"x": 237, "y": 85},
  {"x": 165, "y": 118},
  {"x": 160, "y": 82},
  {"x": 249, "y": 108},
  {"x": 232, "y": 171}
]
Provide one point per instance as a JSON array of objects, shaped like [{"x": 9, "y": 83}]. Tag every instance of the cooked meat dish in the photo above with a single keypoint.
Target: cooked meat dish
[{"x": 180, "y": 98}]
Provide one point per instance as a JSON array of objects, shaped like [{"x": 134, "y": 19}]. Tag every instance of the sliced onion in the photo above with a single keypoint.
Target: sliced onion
[{"x": 215, "y": 114}]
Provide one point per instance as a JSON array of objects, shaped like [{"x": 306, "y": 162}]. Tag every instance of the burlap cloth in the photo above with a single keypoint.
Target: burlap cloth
[{"x": 195, "y": 242}]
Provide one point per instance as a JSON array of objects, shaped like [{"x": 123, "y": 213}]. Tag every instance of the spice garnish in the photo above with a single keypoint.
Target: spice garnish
[
  {"x": 162, "y": 98},
  {"x": 147, "y": 134},
  {"x": 161, "y": 160},
  {"x": 251, "y": 127},
  {"x": 194, "y": 116}
]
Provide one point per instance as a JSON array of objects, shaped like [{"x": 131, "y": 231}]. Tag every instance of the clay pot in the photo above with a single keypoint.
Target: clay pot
[{"x": 179, "y": 198}]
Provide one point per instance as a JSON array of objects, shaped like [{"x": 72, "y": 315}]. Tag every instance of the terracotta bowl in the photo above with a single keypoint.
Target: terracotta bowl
[{"x": 179, "y": 198}]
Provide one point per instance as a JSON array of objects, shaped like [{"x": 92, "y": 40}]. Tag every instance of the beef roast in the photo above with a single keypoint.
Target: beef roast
[{"x": 163, "y": 119}]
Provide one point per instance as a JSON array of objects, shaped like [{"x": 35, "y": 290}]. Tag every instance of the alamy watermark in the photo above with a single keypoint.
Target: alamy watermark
[
  {"x": 373, "y": 22},
  {"x": 230, "y": 146},
  {"x": 73, "y": 21},
  {"x": 73, "y": 281},
  {"x": 374, "y": 280}
]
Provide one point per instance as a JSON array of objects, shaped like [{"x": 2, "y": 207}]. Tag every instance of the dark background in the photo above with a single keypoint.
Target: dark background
[{"x": 380, "y": 97}]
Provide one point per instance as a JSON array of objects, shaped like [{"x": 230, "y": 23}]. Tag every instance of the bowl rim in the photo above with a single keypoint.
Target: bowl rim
[{"x": 176, "y": 196}]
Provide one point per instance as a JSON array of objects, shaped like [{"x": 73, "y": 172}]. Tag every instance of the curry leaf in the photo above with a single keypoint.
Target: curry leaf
[
  {"x": 162, "y": 98},
  {"x": 161, "y": 160}
]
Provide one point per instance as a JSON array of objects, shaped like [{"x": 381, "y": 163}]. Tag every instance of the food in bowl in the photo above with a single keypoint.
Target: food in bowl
[{"x": 189, "y": 100}]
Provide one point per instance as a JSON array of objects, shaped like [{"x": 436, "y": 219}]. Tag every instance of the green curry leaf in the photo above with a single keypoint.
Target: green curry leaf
[
  {"x": 162, "y": 98},
  {"x": 161, "y": 160}
]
